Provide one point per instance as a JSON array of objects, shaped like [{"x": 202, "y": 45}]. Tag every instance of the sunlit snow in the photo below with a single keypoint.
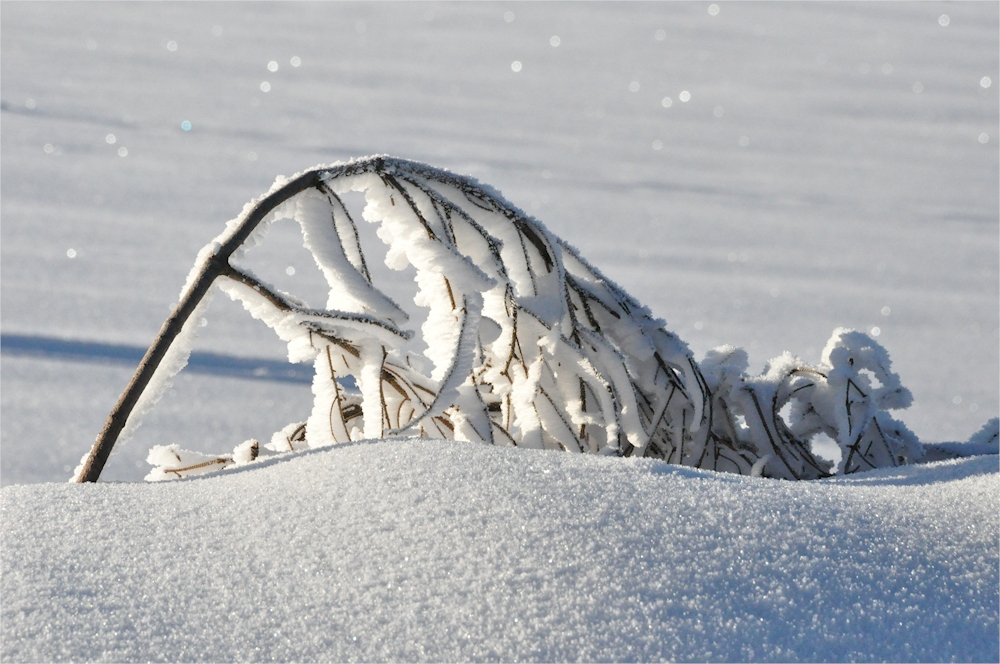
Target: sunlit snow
[{"x": 778, "y": 171}]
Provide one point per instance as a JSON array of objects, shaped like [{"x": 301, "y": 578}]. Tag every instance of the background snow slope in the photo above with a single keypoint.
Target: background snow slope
[
  {"x": 433, "y": 550},
  {"x": 806, "y": 184}
]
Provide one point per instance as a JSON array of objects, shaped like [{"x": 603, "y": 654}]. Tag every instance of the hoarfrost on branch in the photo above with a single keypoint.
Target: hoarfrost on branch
[{"x": 529, "y": 344}]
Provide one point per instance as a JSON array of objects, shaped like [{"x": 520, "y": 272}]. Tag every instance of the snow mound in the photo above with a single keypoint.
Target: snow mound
[{"x": 413, "y": 550}]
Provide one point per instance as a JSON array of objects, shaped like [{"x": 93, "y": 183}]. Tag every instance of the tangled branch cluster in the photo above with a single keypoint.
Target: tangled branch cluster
[{"x": 530, "y": 345}]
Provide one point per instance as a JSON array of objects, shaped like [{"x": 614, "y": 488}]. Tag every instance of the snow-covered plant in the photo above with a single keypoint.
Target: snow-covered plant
[{"x": 529, "y": 345}]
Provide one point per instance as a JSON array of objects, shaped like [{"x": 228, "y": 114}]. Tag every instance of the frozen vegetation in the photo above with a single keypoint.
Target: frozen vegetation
[
  {"x": 530, "y": 346},
  {"x": 750, "y": 174}
]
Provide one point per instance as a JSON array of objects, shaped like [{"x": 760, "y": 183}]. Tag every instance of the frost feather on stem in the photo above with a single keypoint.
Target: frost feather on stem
[{"x": 529, "y": 344}]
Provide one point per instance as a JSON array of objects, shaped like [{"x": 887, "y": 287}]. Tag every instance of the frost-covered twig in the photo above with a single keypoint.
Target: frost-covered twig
[{"x": 530, "y": 345}]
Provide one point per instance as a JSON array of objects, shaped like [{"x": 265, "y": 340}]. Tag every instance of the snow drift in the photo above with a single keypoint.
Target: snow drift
[{"x": 417, "y": 550}]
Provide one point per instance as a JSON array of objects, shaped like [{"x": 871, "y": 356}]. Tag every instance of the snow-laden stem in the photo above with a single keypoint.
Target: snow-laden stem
[
  {"x": 529, "y": 344},
  {"x": 194, "y": 291}
]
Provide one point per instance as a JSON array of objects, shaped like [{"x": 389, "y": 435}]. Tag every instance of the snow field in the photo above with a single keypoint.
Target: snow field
[
  {"x": 436, "y": 550},
  {"x": 829, "y": 192}
]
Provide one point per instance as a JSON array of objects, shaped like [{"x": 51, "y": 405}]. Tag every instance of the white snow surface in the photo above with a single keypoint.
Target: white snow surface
[
  {"x": 835, "y": 165},
  {"x": 416, "y": 550}
]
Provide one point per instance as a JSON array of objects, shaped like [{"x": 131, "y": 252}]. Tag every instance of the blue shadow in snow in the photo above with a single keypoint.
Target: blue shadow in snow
[{"x": 214, "y": 364}]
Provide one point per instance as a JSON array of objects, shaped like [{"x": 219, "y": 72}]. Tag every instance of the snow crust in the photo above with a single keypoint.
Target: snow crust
[{"x": 440, "y": 550}]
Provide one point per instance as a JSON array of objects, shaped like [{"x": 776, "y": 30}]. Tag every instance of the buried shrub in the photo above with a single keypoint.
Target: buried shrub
[{"x": 529, "y": 345}]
